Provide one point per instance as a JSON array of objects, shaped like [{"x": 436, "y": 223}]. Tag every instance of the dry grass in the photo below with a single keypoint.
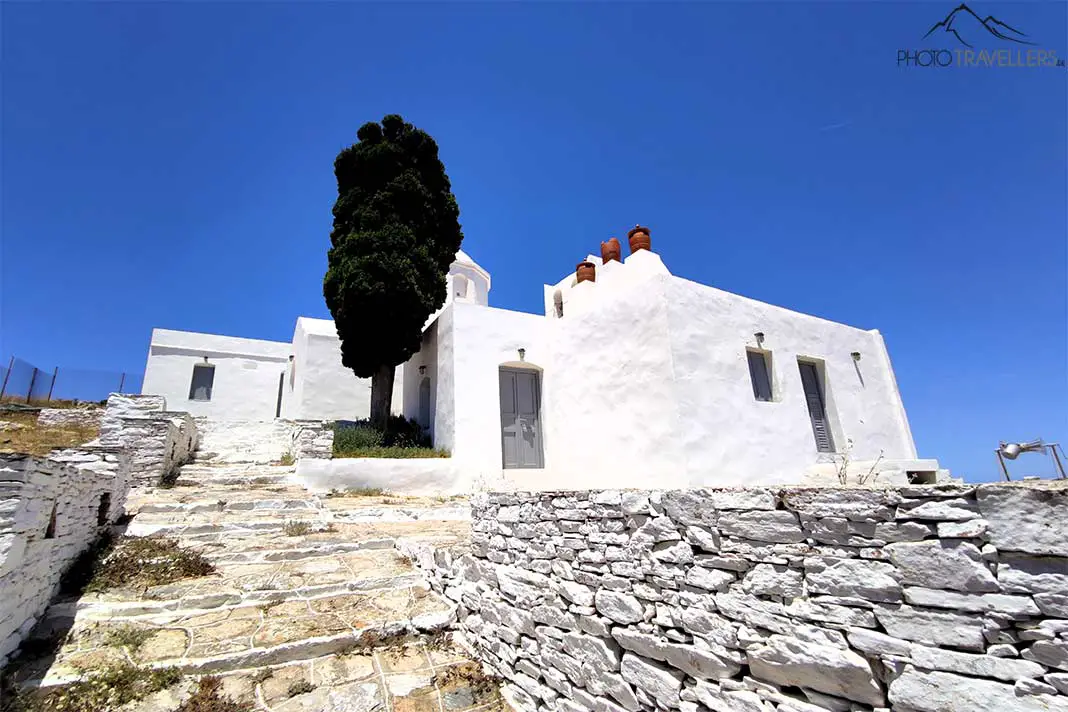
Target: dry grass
[
  {"x": 129, "y": 637},
  {"x": 295, "y": 528},
  {"x": 469, "y": 674},
  {"x": 133, "y": 562},
  {"x": 393, "y": 452},
  {"x": 103, "y": 689},
  {"x": 25, "y": 436},
  {"x": 300, "y": 687},
  {"x": 209, "y": 698},
  {"x": 357, "y": 492}
]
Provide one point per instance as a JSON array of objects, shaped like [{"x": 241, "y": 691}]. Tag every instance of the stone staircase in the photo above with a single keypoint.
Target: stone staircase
[{"x": 311, "y": 605}]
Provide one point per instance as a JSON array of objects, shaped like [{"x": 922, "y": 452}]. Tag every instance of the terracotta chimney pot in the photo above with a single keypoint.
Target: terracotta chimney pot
[
  {"x": 610, "y": 251},
  {"x": 639, "y": 239},
  {"x": 586, "y": 271}
]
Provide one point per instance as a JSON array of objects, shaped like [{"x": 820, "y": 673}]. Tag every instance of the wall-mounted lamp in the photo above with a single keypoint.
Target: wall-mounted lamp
[
  {"x": 205, "y": 359},
  {"x": 522, "y": 354},
  {"x": 855, "y": 355},
  {"x": 422, "y": 370},
  {"x": 759, "y": 337}
]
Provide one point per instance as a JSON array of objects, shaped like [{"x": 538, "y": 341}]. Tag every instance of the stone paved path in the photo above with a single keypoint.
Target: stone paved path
[{"x": 311, "y": 606}]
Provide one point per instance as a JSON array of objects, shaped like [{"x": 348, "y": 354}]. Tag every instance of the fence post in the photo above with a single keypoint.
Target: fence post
[
  {"x": 122, "y": 380},
  {"x": 7, "y": 375},
  {"x": 55, "y": 372},
  {"x": 33, "y": 379}
]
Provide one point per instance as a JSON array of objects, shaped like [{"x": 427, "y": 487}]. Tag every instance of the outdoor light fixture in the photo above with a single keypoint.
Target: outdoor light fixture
[
  {"x": 422, "y": 370},
  {"x": 205, "y": 359},
  {"x": 522, "y": 354},
  {"x": 855, "y": 355},
  {"x": 1012, "y": 451},
  {"x": 759, "y": 337}
]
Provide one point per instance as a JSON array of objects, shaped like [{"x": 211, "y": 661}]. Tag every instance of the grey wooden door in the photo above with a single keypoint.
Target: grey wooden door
[
  {"x": 424, "y": 403},
  {"x": 520, "y": 418},
  {"x": 817, "y": 410}
]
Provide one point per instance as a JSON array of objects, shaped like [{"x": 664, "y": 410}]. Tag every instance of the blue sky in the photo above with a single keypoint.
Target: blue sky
[{"x": 170, "y": 164}]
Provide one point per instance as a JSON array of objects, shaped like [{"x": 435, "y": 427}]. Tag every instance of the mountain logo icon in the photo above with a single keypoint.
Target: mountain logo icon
[{"x": 964, "y": 24}]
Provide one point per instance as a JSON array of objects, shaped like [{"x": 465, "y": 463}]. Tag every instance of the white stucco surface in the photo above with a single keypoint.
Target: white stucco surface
[
  {"x": 245, "y": 386},
  {"x": 657, "y": 382},
  {"x": 322, "y": 388},
  {"x": 423, "y": 477}
]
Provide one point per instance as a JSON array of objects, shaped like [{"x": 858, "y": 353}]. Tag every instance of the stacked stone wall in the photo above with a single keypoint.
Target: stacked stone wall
[
  {"x": 51, "y": 510},
  {"x": 159, "y": 441},
  {"x": 915, "y": 599}
]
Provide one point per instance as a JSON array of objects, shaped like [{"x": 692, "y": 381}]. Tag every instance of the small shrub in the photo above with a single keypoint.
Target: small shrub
[
  {"x": 360, "y": 435},
  {"x": 294, "y": 528},
  {"x": 300, "y": 687},
  {"x": 287, "y": 459},
  {"x": 355, "y": 436},
  {"x": 129, "y": 637},
  {"x": 209, "y": 698}
]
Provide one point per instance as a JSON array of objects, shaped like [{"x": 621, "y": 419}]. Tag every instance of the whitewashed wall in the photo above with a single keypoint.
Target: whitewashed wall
[
  {"x": 321, "y": 387},
  {"x": 246, "y": 373},
  {"x": 646, "y": 375}
]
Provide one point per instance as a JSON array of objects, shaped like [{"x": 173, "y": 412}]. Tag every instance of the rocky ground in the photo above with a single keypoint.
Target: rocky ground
[{"x": 310, "y": 606}]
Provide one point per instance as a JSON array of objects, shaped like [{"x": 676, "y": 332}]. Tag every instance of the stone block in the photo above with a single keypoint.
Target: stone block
[
  {"x": 1026, "y": 519},
  {"x": 770, "y": 526},
  {"x": 870, "y": 580},
  {"x": 942, "y": 564},
  {"x": 932, "y": 627},
  {"x": 809, "y": 661},
  {"x": 946, "y": 692}
]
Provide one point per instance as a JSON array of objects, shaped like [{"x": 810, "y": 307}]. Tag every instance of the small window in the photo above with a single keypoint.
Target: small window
[
  {"x": 760, "y": 374},
  {"x": 50, "y": 531},
  {"x": 203, "y": 379},
  {"x": 103, "y": 509}
]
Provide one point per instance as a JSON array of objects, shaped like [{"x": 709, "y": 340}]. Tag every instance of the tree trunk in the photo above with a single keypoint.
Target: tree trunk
[{"x": 381, "y": 396}]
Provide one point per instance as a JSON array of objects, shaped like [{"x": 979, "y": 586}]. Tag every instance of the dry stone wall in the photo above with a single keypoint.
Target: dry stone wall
[
  {"x": 159, "y": 441},
  {"x": 56, "y": 417},
  {"x": 51, "y": 510},
  {"x": 914, "y": 599}
]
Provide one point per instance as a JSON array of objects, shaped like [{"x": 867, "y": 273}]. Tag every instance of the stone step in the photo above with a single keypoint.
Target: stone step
[
  {"x": 410, "y": 674},
  {"x": 150, "y": 611},
  {"x": 221, "y": 504},
  {"x": 251, "y": 636}
]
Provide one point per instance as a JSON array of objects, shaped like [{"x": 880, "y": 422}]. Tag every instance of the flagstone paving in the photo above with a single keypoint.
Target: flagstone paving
[{"x": 311, "y": 606}]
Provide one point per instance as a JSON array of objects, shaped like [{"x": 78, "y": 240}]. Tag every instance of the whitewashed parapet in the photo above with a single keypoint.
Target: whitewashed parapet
[
  {"x": 917, "y": 599},
  {"x": 51, "y": 510}
]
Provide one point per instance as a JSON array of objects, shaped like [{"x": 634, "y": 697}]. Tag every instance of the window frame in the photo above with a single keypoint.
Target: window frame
[
  {"x": 210, "y": 367},
  {"x": 766, "y": 359}
]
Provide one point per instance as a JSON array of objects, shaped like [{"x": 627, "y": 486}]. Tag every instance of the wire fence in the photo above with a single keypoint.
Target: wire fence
[{"x": 21, "y": 381}]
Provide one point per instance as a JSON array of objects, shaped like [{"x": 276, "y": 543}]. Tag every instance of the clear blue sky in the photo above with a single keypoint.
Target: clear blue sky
[{"x": 171, "y": 165}]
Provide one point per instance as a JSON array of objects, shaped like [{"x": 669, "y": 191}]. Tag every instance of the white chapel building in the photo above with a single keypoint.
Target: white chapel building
[{"x": 635, "y": 378}]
